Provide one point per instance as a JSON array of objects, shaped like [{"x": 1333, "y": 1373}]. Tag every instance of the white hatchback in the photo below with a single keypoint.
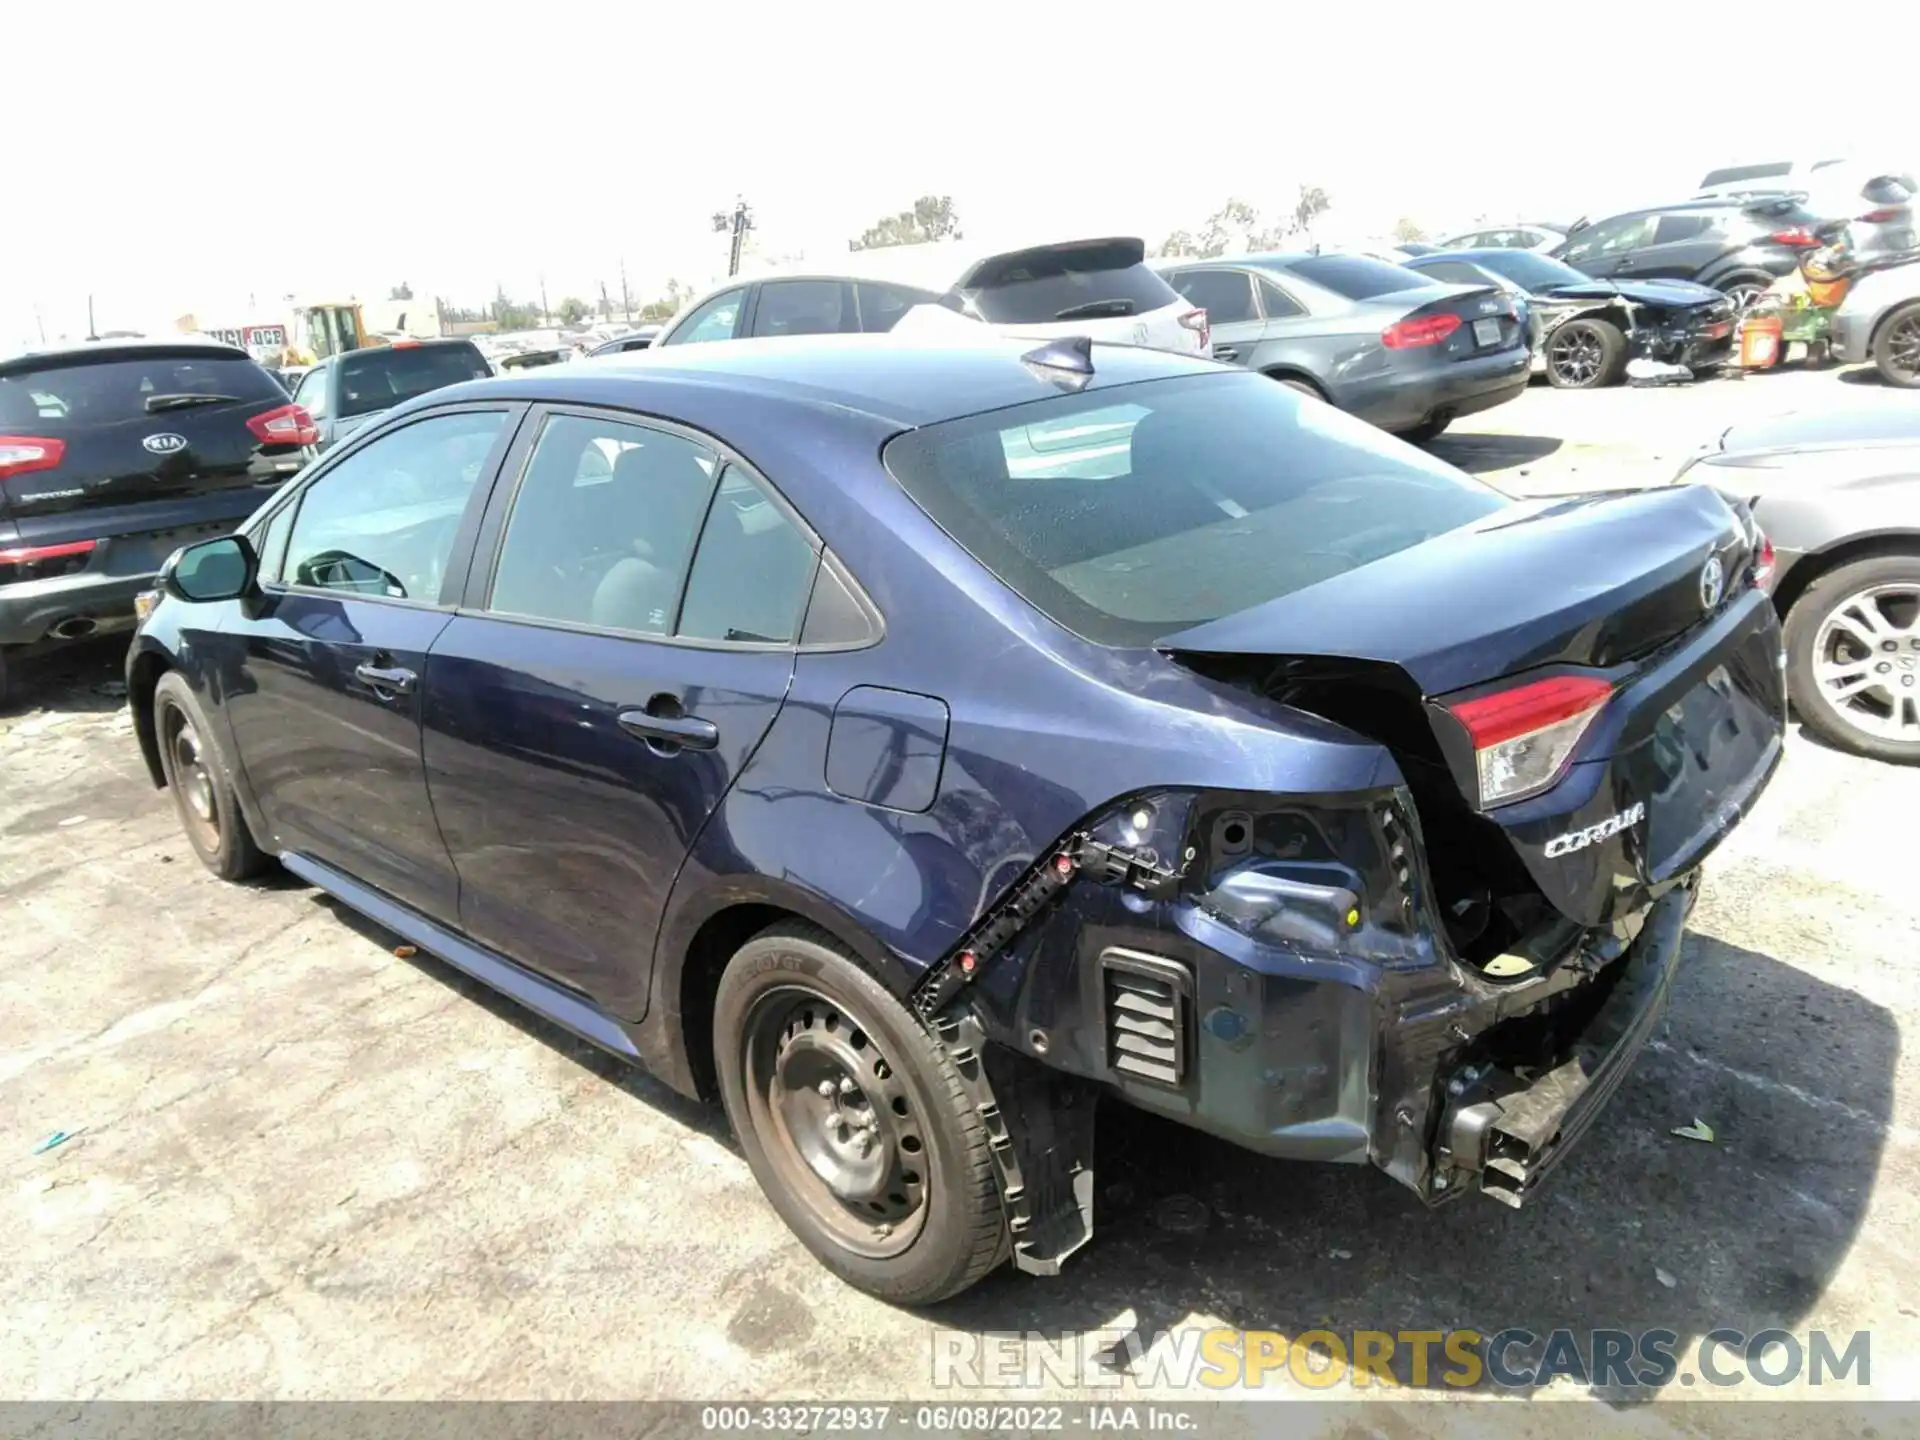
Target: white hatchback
[{"x": 1102, "y": 289}]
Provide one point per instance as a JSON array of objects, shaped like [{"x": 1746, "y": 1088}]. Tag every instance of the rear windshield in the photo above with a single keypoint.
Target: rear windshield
[
  {"x": 1735, "y": 173},
  {"x": 378, "y": 379},
  {"x": 1131, "y": 513},
  {"x": 1356, "y": 277},
  {"x": 74, "y": 393},
  {"x": 1052, "y": 287}
]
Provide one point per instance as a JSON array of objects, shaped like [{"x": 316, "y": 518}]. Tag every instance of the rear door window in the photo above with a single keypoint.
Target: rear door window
[
  {"x": 1672, "y": 229},
  {"x": 752, "y": 572},
  {"x": 1277, "y": 303},
  {"x": 804, "y": 307},
  {"x": 71, "y": 395},
  {"x": 603, "y": 525},
  {"x": 1129, "y": 513},
  {"x": 1226, "y": 295},
  {"x": 1356, "y": 277},
  {"x": 379, "y": 379}
]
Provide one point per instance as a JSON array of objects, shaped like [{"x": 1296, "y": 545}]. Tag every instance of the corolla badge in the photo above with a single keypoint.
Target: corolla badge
[
  {"x": 1713, "y": 582},
  {"x": 165, "y": 443},
  {"x": 1580, "y": 839}
]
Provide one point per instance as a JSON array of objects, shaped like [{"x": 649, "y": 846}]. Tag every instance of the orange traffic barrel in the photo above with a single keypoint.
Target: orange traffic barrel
[{"x": 1760, "y": 342}]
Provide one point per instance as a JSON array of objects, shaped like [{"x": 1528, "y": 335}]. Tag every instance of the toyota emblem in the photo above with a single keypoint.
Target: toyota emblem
[
  {"x": 1713, "y": 582},
  {"x": 165, "y": 444}
]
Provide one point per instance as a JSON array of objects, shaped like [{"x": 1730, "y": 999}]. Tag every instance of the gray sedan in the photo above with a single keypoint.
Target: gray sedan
[
  {"x": 1397, "y": 348},
  {"x": 1838, "y": 494}
]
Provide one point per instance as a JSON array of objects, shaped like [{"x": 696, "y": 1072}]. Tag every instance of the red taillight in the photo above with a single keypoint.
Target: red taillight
[
  {"x": 1879, "y": 217},
  {"x": 1797, "y": 236},
  {"x": 1523, "y": 737},
  {"x": 1411, "y": 334},
  {"x": 1196, "y": 321},
  {"x": 22, "y": 454},
  {"x": 34, "y": 554},
  {"x": 1763, "y": 563},
  {"x": 289, "y": 425},
  {"x": 404, "y": 345}
]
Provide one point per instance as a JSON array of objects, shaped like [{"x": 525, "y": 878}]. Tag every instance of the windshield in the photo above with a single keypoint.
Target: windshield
[
  {"x": 378, "y": 379},
  {"x": 1531, "y": 271},
  {"x": 1131, "y": 513}
]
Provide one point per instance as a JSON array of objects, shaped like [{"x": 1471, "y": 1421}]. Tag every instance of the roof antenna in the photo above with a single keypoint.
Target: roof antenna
[{"x": 1067, "y": 361}]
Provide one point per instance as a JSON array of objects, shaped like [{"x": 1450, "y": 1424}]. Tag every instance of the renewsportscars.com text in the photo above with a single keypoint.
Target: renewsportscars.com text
[{"x": 1228, "y": 1359}]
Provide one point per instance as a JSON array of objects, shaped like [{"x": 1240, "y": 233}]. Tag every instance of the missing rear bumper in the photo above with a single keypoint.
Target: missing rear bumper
[{"x": 1503, "y": 1131}]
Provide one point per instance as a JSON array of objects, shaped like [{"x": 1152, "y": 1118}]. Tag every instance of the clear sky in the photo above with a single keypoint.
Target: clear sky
[{"x": 182, "y": 157}]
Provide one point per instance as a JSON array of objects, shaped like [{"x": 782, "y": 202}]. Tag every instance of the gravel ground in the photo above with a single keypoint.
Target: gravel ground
[{"x": 301, "y": 1166}]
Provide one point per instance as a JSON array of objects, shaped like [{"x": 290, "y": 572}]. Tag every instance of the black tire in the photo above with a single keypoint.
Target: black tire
[
  {"x": 1426, "y": 430},
  {"x": 1585, "y": 354},
  {"x": 773, "y": 1041},
  {"x": 5, "y": 686},
  {"x": 202, "y": 789},
  {"x": 1867, "y": 723},
  {"x": 1896, "y": 347}
]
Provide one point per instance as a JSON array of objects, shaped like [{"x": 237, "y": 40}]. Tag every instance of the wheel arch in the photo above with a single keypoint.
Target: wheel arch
[
  {"x": 1286, "y": 370},
  {"x": 143, "y": 678},
  {"x": 701, "y": 935},
  {"x": 1885, "y": 318},
  {"x": 1796, "y": 582}
]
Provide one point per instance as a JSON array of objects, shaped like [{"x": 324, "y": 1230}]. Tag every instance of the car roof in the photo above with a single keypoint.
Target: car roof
[
  {"x": 903, "y": 382},
  {"x": 129, "y": 348},
  {"x": 1471, "y": 252}
]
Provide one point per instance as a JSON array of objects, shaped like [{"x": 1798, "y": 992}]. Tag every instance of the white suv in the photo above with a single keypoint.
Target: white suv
[{"x": 1102, "y": 289}]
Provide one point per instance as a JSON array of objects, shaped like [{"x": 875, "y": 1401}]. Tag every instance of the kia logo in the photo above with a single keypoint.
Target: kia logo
[{"x": 165, "y": 444}]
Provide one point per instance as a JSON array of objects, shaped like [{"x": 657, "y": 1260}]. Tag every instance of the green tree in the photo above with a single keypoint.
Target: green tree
[
  {"x": 1308, "y": 206},
  {"x": 402, "y": 291},
  {"x": 572, "y": 310},
  {"x": 1407, "y": 230},
  {"x": 931, "y": 218}
]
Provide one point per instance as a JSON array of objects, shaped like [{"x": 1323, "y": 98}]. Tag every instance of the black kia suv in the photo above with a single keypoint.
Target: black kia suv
[{"x": 113, "y": 454}]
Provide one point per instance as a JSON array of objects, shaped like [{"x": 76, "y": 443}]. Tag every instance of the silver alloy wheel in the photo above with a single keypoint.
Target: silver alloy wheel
[
  {"x": 1576, "y": 354},
  {"x": 1866, "y": 661},
  {"x": 1743, "y": 295},
  {"x": 1903, "y": 346}
]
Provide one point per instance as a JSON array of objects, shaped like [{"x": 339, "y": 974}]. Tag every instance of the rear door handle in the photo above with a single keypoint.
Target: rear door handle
[
  {"x": 1225, "y": 352},
  {"x": 386, "y": 679},
  {"x": 684, "y": 732}
]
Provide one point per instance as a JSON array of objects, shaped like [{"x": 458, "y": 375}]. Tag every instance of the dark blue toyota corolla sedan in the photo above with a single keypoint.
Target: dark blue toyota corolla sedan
[{"x": 914, "y": 744}]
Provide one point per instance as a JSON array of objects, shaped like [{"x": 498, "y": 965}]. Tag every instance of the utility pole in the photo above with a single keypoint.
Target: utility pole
[
  {"x": 545, "y": 318},
  {"x": 92, "y": 333},
  {"x": 40, "y": 322},
  {"x": 626, "y": 301},
  {"x": 738, "y": 223},
  {"x": 606, "y": 305}
]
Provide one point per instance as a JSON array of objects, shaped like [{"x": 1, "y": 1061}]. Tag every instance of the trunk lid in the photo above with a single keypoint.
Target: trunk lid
[
  {"x": 1648, "y": 591},
  {"x": 135, "y": 424},
  {"x": 1591, "y": 580},
  {"x": 1485, "y": 319}
]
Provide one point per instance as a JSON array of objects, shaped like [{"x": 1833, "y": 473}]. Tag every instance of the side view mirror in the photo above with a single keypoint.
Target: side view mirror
[{"x": 223, "y": 569}]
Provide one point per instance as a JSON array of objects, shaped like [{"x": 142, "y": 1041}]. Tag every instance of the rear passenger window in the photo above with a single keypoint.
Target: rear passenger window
[
  {"x": 603, "y": 525},
  {"x": 1674, "y": 228},
  {"x": 752, "y": 571},
  {"x": 1226, "y": 295},
  {"x": 1278, "y": 304},
  {"x": 803, "y": 307}
]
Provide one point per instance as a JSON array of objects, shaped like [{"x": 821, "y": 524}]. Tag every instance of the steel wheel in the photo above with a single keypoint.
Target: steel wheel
[
  {"x": 192, "y": 772},
  {"x": 841, "y": 1128},
  {"x": 1866, "y": 661}
]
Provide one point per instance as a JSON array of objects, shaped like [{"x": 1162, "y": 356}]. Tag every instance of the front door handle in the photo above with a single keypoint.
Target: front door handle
[
  {"x": 680, "y": 732},
  {"x": 1225, "y": 352},
  {"x": 386, "y": 679}
]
